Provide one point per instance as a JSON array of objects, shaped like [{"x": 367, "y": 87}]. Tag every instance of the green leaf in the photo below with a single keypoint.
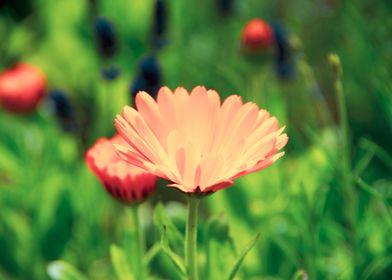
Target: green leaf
[
  {"x": 120, "y": 263},
  {"x": 369, "y": 189},
  {"x": 162, "y": 220},
  {"x": 218, "y": 243},
  {"x": 176, "y": 259},
  {"x": 381, "y": 153},
  {"x": 59, "y": 232},
  {"x": 61, "y": 270},
  {"x": 365, "y": 160},
  {"x": 300, "y": 275},
  {"x": 152, "y": 253},
  {"x": 242, "y": 257},
  {"x": 218, "y": 228}
]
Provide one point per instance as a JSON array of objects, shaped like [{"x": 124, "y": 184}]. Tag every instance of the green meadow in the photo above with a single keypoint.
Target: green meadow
[{"x": 322, "y": 211}]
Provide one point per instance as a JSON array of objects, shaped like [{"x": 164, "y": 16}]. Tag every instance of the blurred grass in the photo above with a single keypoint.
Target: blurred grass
[{"x": 53, "y": 208}]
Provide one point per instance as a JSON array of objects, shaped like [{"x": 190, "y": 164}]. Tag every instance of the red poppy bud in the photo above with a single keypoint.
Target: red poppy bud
[
  {"x": 21, "y": 88},
  {"x": 256, "y": 36}
]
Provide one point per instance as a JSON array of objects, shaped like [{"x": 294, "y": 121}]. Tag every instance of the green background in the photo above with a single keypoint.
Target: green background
[{"x": 52, "y": 207}]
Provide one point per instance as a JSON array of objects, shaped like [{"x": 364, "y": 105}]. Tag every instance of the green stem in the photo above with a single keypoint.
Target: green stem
[
  {"x": 191, "y": 238},
  {"x": 349, "y": 193},
  {"x": 345, "y": 134},
  {"x": 343, "y": 122},
  {"x": 138, "y": 246}
]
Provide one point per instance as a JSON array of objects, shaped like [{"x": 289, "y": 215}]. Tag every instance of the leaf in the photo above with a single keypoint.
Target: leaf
[
  {"x": 218, "y": 228},
  {"x": 120, "y": 263},
  {"x": 162, "y": 220},
  {"x": 61, "y": 270},
  {"x": 176, "y": 259},
  {"x": 364, "y": 161},
  {"x": 152, "y": 253},
  {"x": 369, "y": 189},
  {"x": 300, "y": 275},
  {"x": 218, "y": 243},
  {"x": 377, "y": 195},
  {"x": 59, "y": 232},
  {"x": 242, "y": 257},
  {"x": 375, "y": 267},
  {"x": 381, "y": 153}
]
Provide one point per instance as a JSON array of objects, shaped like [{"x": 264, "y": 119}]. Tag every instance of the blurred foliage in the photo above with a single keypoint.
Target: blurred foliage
[{"x": 53, "y": 208}]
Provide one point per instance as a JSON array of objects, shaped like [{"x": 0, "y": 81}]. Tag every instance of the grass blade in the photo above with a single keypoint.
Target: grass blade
[{"x": 242, "y": 257}]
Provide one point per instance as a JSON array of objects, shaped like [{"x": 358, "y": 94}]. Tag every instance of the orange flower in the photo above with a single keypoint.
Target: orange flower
[
  {"x": 21, "y": 88},
  {"x": 257, "y": 35},
  {"x": 195, "y": 141},
  {"x": 123, "y": 181}
]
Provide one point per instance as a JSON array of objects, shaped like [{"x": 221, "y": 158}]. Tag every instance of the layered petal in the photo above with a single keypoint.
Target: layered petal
[
  {"x": 197, "y": 142},
  {"x": 125, "y": 182}
]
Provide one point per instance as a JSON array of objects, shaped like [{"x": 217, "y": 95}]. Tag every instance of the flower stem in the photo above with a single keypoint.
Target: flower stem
[
  {"x": 348, "y": 190},
  {"x": 191, "y": 238},
  {"x": 137, "y": 243}
]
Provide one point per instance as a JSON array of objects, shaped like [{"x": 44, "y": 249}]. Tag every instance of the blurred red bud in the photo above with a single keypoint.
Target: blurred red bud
[
  {"x": 256, "y": 36},
  {"x": 21, "y": 88}
]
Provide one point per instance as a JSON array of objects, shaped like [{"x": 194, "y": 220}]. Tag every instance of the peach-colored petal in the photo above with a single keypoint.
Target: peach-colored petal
[
  {"x": 166, "y": 105},
  {"x": 195, "y": 141},
  {"x": 222, "y": 123},
  {"x": 149, "y": 111}
]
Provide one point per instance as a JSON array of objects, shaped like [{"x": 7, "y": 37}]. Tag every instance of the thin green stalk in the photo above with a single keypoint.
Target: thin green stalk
[
  {"x": 138, "y": 245},
  {"x": 343, "y": 122},
  {"x": 191, "y": 238},
  {"x": 349, "y": 192}
]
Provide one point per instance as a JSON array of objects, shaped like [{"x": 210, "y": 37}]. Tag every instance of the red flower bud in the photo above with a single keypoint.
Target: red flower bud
[
  {"x": 256, "y": 36},
  {"x": 124, "y": 182},
  {"x": 21, "y": 88}
]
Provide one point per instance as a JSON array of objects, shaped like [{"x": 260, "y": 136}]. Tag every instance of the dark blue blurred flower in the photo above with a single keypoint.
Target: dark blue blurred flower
[
  {"x": 160, "y": 17},
  {"x": 140, "y": 84},
  {"x": 63, "y": 109},
  {"x": 225, "y": 7},
  {"x": 150, "y": 70},
  {"x": 148, "y": 78},
  {"x": 110, "y": 73},
  {"x": 106, "y": 36},
  {"x": 283, "y": 56},
  {"x": 159, "y": 23}
]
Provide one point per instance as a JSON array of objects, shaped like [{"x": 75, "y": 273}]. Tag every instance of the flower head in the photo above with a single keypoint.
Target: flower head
[
  {"x": 257, "y": 36},
  {"x": 284, "y": 61},
  {"x": 110, "y": 73},
  {"x": 63, "y": 109},
  {"x": 160, "y": 22},
  {"x": 195, "y": 141},
  {"x": 123, "y": 181},
  {"x": 148, "y": 78},
  {"x": 106, "y": 36},
  {"x": 21, "y": 88}
]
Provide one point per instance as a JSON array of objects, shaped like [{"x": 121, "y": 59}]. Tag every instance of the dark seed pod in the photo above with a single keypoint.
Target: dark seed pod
[
  {"x": 283, "y": 53},
  {"x": 106, "y": 37}
]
